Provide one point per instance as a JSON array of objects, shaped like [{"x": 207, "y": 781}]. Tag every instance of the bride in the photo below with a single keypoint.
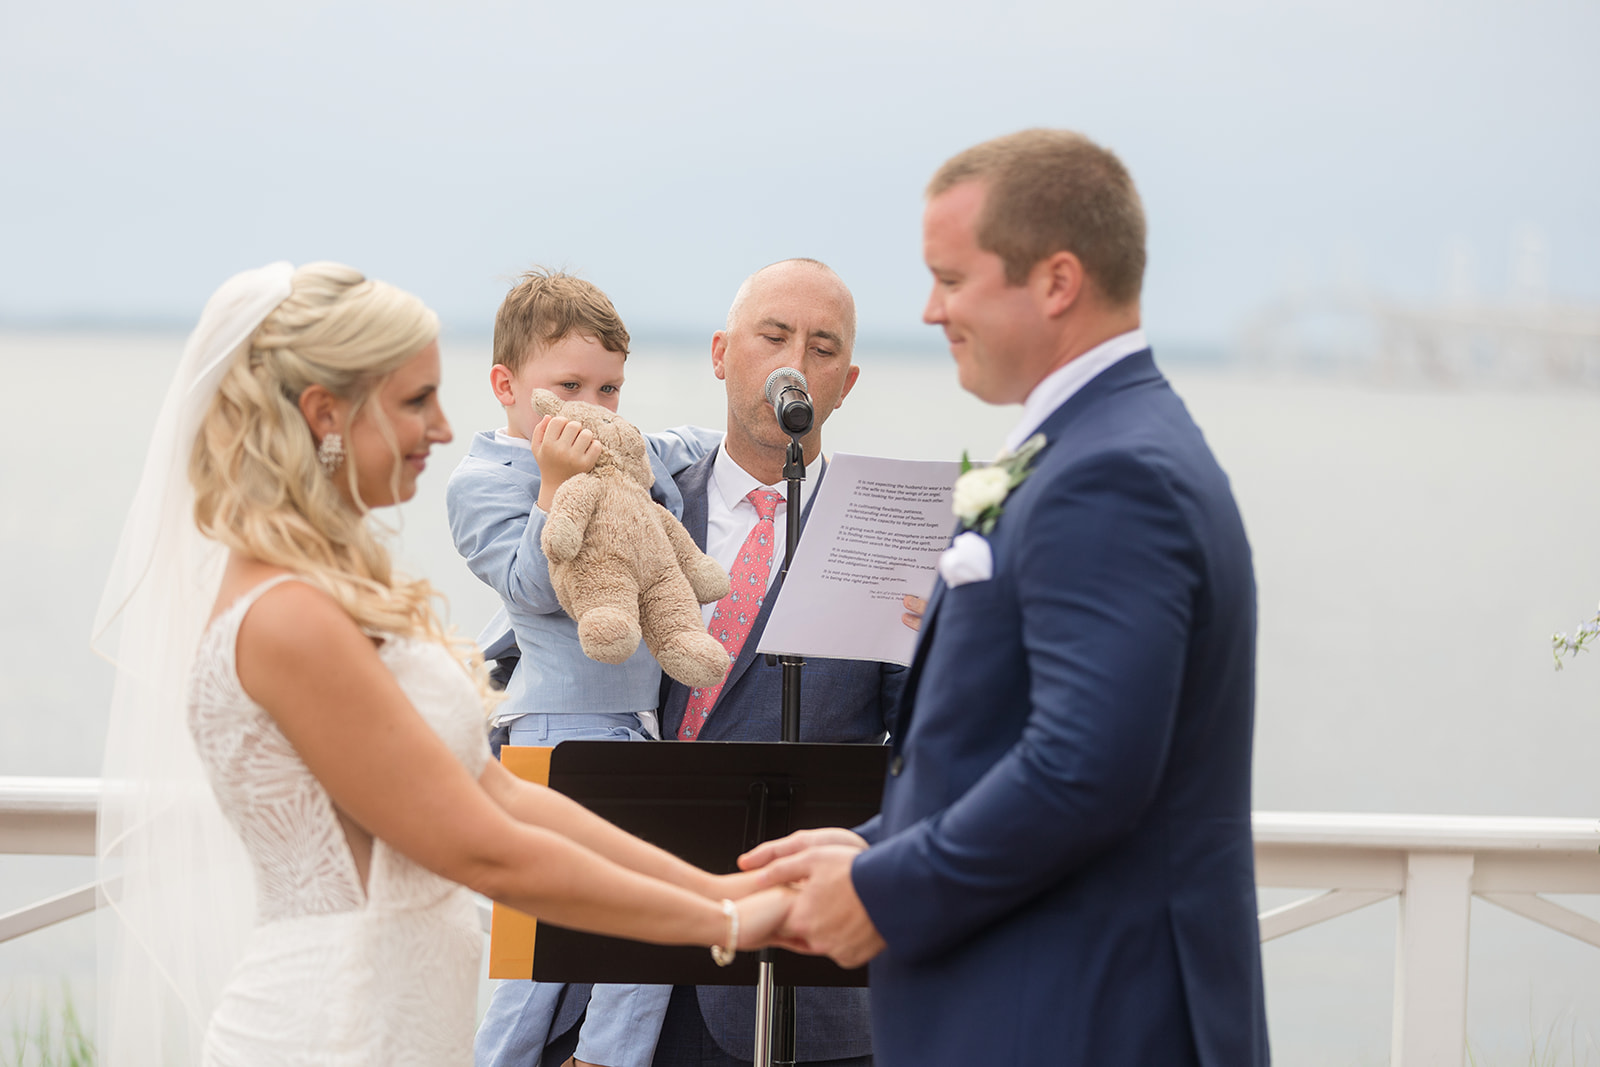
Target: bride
[{"x": 309, "y": 907}]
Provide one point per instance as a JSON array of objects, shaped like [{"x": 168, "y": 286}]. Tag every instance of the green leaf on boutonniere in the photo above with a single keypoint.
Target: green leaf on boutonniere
[{"x": 980, "y": 492}]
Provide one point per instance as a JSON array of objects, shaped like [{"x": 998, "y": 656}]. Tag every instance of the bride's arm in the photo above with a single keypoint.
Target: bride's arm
[
  {"x": 539, "y": 806},
  {"x": 303, "y": 659}
]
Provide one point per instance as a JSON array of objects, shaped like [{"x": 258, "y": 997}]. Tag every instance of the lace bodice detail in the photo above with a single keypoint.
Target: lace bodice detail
[{"x": 302, "y": 860}]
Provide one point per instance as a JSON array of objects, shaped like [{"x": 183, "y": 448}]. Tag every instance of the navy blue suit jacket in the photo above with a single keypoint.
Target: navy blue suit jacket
[
  {"x": 1063, "y": 869},
  {"x": 840, "y": 700}
]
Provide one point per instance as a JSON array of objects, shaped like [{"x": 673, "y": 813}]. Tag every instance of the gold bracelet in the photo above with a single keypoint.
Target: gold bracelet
[{"x": 720, "y": 955}]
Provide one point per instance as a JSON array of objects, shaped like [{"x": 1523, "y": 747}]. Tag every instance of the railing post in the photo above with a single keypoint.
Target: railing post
[{"x": 1430, "y": 972}]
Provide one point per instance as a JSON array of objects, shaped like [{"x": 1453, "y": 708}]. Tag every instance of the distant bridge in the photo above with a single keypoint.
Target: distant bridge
[{"x": 1368, "y": 337}]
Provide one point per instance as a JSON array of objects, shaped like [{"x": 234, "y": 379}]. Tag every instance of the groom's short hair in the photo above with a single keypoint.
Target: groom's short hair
[{"x": 1051, "y": 191}]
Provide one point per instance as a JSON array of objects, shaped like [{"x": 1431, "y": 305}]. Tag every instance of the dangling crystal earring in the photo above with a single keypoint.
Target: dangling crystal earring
[{"x": 330, "y": 453}]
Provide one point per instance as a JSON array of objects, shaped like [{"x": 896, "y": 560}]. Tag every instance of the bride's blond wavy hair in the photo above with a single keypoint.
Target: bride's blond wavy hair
[{"x": 259, "y": 488}]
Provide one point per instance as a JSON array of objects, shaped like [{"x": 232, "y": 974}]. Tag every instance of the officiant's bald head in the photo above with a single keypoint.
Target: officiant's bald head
[
  {"x": 786, "y": 271},
  {"x": 797, "y": 314}
]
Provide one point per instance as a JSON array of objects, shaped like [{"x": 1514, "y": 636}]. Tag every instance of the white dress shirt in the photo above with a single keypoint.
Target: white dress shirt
[
  {"x": 730, "y": 517},
  {"x": 1057, "y": 388}
]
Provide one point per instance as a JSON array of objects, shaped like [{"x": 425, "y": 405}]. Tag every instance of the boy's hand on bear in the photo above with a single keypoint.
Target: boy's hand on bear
[
  {"x": 563, "y": 449},
  {"x": 619, "y": 562}
]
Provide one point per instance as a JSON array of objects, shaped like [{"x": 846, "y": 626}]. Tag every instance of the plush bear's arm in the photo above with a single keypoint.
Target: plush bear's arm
[
  {"x": 570, "y": 513},
  {"x": 709, "y": 581}
]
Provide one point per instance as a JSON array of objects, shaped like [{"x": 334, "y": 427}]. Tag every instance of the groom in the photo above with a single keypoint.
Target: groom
[{"x": 1062, "y": 871}]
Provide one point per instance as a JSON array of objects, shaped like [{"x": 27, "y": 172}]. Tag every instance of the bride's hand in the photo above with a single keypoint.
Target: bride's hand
[
  {"x": 761, "y": 917},
  {"x": 734, "y": 886}
]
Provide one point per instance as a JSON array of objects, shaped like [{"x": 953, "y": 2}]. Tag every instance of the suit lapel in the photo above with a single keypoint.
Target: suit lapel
[
  {"x": 1136, "y": 369},
  {"x": 900, "y": 723},
  {"x": 747, "y": 654},
  {"x": 692, "y": 483}
]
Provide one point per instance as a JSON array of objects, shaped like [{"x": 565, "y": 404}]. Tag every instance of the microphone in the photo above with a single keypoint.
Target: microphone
[{"x": 786, "y": 392}]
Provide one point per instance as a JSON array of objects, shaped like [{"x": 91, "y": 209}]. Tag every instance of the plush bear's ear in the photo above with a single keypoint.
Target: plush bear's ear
[{"x": 546, "y": 403}]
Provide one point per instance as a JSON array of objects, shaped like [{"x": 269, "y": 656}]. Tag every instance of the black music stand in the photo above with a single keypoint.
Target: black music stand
[{"x": 706, "y": 802}]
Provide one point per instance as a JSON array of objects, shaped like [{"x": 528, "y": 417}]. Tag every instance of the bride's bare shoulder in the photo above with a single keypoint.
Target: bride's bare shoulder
[
  {"x": 295, "y": 639},
  {"x": 293, "y": 615}
]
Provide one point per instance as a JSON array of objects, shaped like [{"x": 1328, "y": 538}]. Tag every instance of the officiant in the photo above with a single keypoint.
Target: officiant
[{"x": 796, "y": 314}]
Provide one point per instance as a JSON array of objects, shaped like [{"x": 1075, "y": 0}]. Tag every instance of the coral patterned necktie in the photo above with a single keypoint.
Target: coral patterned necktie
[{"x": 736, "y": 613}]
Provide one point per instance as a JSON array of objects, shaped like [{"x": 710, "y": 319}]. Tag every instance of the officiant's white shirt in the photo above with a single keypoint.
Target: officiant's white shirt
[
  {"x": 730, "y": 517},
  {"x": 1058, "y": 387}
]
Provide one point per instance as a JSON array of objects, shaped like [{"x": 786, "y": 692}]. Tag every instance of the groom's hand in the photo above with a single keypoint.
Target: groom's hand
[
  {"x": 798, "y": 841},
  {"x": 827, "y": 918}
]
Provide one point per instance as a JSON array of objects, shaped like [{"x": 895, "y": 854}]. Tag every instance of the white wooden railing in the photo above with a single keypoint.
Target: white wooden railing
[
  {"x": 48, "y": 817},
  {"x": 1435, "y": 865}
]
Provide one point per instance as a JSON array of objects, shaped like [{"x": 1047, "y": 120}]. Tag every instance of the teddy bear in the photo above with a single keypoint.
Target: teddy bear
[{"x": 621, "y": 565}]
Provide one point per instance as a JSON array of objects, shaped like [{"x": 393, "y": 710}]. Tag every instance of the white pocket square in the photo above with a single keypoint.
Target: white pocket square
[{"x": 968, "y": 559}]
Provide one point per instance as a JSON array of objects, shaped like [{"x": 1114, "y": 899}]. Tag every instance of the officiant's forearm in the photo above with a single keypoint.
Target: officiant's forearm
[{"x": 539, "y": 806}]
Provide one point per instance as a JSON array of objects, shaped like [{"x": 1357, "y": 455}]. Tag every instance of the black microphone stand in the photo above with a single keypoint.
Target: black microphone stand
[
  {"x": 775, "y": 1005},
  {"x": 794, "y": 472}
]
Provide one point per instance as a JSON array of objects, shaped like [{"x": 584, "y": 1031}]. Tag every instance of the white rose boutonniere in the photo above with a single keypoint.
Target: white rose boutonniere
[{"x": 980, "y": 491}]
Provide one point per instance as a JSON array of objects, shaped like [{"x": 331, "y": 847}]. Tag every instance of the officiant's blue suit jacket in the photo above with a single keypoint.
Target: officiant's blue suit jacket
[
  {"x": 841, "y": 700},
  {"x": 1063, "y": 868}
]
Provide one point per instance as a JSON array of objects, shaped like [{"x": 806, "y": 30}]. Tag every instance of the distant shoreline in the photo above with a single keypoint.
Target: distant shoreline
[{"x": 891, "y": 345}]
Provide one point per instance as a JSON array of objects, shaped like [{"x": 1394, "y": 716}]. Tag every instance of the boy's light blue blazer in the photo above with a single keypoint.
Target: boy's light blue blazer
[{"x": 492, "y": 499}]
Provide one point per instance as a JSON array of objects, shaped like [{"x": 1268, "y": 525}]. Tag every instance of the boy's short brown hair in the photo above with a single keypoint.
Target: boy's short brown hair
[{"x": 546, "y": 306}]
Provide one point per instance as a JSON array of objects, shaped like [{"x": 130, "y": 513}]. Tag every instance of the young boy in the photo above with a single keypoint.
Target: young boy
[{"x": 560, "y": 333}]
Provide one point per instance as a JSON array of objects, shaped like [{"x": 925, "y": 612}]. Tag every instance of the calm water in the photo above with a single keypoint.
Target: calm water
[{"x": 1414, "y": 549}]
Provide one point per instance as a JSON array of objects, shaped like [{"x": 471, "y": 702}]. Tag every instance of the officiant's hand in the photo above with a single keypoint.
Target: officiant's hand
[
  {"x": 827, "y": 918},
  {"x": 916, "y": 607}
]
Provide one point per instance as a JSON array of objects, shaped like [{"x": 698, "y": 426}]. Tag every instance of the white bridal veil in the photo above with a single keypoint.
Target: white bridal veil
[{"x": 176, "y": 882}]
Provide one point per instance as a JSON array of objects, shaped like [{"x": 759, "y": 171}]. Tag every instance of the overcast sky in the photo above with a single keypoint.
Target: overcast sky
[{"x": 151, "y": 148}]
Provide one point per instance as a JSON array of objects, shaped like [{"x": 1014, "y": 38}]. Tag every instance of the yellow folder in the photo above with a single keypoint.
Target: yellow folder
[{"x": 511, "y": 931}]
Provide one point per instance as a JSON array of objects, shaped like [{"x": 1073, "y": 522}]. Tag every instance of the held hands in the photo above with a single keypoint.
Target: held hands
[
  {"x": 762, "y": 916},
  {"x": 563, "y": 449},
  {"x": 762, "y": 910},
  {"x": 826, "y": 916}
]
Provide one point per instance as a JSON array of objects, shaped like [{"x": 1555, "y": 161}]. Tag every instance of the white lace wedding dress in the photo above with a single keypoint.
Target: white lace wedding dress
[{"x": 333, "y": 974}]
